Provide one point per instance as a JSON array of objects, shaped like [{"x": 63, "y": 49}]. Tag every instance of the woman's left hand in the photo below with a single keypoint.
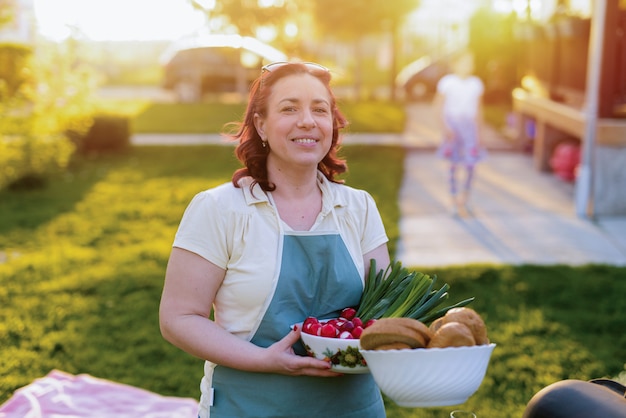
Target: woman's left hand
[{"x": 285, "y": 361}]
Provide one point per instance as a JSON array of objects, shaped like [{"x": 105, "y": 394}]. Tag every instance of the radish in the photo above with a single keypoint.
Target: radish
[
  {"x": 348, "y": 313},
  {"x": 356, "y": 332},
  {"x": 345, "y": 335},
  {"x": 346, "y": 326},
  {"x": 306, "y": 325},
  {"x": 315, "y": 329},
  {"x": 329, "y": 331},
  {"x": 336, "y": 327}
]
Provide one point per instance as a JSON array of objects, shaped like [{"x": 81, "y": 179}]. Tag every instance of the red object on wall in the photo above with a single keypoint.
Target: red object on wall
[{"x": 565, "y": 160}]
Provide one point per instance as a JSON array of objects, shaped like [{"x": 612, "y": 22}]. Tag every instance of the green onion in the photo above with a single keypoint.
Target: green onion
[{"x": 397, "y": 292}]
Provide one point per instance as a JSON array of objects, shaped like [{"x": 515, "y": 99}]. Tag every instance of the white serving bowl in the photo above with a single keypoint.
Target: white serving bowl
[
  {"x": 343, "y": 354},
  {"x": 426, "y": 377}
]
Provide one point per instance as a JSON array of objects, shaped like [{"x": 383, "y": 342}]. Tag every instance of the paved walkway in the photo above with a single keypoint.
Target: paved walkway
[{"x": 521, "y": 216}]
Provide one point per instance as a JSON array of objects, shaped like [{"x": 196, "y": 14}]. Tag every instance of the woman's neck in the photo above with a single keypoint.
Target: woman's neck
[
  {"x": 298, "y": 200},
  {"x": 293, "y": 184}
]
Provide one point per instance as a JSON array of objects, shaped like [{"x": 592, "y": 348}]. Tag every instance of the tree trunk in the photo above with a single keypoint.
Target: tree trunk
[
  {"x": 393, "y": 70},
  {"x": 358, "y": 72}
]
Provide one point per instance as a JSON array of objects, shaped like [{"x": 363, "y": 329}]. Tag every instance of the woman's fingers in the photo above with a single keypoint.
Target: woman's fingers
[
  {"x": 296, "y": 365},
  {"x": 291, "y": 338}
]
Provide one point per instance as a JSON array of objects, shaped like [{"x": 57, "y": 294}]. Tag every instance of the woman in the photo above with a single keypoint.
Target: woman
[
  {"x": 284, "y": 240},
  {"x": 458, "y": 104}
]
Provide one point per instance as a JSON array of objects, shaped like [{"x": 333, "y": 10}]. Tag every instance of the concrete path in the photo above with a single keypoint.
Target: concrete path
[{"x": 520, "y": 216}]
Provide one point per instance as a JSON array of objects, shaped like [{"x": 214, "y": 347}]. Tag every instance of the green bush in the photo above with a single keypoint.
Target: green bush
[
  {"x": 13, "y": 68},
  {"x": 107, "y": 134},
  {"x": 27, "y": 161},
  {"x": 33, "y": 120}
]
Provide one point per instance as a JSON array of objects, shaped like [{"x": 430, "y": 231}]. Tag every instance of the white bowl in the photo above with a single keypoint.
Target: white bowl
[
  {"x": 343, "y": 354},
  {"x": 426, "y": 377}
]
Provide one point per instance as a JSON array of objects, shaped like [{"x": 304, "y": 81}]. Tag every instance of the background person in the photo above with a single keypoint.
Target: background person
[
  {"x": 284, "y": 240},
  {"x": 458, "y": 104}
]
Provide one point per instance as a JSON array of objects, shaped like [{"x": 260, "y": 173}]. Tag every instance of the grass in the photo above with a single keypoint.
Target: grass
[
  {"x": 84, "y": 262},
  {"x": 211, "y": 117}
]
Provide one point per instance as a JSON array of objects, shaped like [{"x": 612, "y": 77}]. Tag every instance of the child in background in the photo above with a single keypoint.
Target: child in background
[{"x": 458, "y": 104}]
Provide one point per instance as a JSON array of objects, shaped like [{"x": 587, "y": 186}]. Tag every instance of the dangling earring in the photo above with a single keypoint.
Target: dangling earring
[{"x": 264, "y": 143}]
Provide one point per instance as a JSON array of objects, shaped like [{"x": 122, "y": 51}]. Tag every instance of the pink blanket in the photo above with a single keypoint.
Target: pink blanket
[{"x": 60, "y": 394}]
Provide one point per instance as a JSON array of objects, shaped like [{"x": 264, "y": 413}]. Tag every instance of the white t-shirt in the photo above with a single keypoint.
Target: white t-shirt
[
  {"x": 239, "y": 231},
  {"x": 461, "y": 95}
]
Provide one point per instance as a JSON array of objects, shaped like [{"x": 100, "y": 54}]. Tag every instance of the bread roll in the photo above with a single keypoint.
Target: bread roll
[
  {"x": 394, "y": 346},
  {"x": 471, "y": 319},
  {"x": 386, "y": 331},
  {"x": 435, "y": 325},
  {"x": 452, "y": 334}
]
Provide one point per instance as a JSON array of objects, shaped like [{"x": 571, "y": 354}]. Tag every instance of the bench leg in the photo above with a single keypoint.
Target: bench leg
[{"x": 546, "y": 139}]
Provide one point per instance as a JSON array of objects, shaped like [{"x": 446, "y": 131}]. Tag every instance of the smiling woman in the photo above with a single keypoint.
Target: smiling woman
[{"x": 117, "y": 20}]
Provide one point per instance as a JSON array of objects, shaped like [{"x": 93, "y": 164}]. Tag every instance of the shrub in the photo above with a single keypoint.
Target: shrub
[
  {"x": 54, "y": 99},
  {"x": 107, "y": 134},
  {"x": 26, "y": 161},
  {"x": 13, "y": 68}
]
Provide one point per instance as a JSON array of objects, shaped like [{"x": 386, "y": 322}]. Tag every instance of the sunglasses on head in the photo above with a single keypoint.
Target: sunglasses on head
[{"x": 310, "y": 65}]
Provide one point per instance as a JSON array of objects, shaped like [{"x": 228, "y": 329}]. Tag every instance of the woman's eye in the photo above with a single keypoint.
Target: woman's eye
[{"x": 321, "y": 110}]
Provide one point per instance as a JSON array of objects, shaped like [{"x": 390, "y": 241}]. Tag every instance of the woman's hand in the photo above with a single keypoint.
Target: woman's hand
[{"x": 282, "y": 359}]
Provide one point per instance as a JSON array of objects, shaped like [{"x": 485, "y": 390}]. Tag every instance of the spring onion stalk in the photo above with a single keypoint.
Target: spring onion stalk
[{"x": 397, "y": 292}]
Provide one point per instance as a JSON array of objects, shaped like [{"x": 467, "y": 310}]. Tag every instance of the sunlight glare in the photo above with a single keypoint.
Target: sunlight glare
[
  {"x": 536, "y": 8},
  {"x": 502, "y": 6},
  {"x": 291, "y": 30},
  {"x": 117, "y": 20},
  {"x": 270, "y": 3},
  {"x": 266, "y": 33}
]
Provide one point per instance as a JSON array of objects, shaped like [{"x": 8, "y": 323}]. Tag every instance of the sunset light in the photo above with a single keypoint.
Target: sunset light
[{"x": 116, "y": 20}]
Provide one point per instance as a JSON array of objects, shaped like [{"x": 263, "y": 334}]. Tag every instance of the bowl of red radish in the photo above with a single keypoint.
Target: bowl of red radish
[{"x": 335, "y": 340}]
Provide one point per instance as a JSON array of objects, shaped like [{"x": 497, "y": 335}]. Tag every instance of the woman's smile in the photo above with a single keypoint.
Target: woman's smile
[{"x": 305, "y": 141}]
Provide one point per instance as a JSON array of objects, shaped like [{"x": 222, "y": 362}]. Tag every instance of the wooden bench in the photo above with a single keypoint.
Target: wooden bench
[{"x": 555, "y": 121}]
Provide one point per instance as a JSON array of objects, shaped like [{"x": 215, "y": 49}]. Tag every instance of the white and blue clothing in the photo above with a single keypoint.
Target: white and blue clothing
[
  {"x": 461, "y": 101},
  {"x": 276, "y": 277}
]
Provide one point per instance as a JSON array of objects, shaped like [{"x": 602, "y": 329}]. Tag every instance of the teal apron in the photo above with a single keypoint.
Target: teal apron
[{"x": 317, "y": 278}]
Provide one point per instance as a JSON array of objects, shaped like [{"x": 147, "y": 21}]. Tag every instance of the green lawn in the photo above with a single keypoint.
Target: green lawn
[{"x": 84, "y": 259}]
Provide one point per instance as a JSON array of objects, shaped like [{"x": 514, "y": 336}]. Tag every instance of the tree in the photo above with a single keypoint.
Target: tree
[
  {"x": 348, "y": 21},
  {"x": 7, "y": 10},
  {"x": 258, "y": 18},
  {"x": 250, "y": 15},
  {"x": 356, "y": 18},
  {"x": 35, "y": 119}
]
